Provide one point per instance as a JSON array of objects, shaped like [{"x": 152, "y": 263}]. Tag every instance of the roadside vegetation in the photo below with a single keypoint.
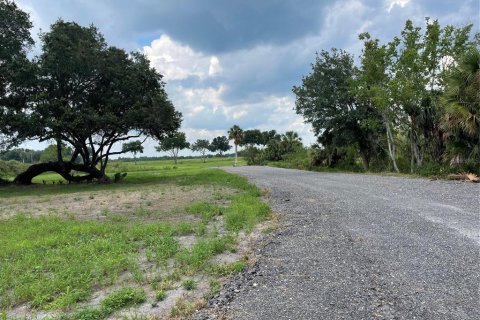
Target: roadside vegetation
[
  {"x": 164, "y": 236},
  {"x": 411, "y": 105}
]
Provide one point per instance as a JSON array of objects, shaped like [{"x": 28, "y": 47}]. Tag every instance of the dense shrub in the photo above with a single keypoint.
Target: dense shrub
[
  {"x": 11, "y": 168},
  {"x": 254, "y": 156}
]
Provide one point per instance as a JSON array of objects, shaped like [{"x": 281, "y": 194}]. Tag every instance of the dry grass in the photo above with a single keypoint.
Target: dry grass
[{"x": 164, "y": 202}]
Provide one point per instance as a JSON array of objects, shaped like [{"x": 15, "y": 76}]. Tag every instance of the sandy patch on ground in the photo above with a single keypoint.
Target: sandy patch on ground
[{"x": 162, "y": 201}]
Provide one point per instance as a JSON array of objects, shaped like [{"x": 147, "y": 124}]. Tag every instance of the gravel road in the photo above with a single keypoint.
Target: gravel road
[{"x": 358, "y": 246}]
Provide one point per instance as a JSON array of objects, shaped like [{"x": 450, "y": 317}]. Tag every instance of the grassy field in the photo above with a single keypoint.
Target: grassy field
[{"x": 157, "y": 243}]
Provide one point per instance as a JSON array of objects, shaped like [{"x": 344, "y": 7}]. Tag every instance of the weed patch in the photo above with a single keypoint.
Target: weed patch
[
  {"x": 189, "y": 284},
  {"x": 244, "y": 212},
  {"x": 205, "y": 210},
  {"x": 123, "y": 298},
  {"x": 228, "y": 269},
  {"x": 193, "y": 259}
]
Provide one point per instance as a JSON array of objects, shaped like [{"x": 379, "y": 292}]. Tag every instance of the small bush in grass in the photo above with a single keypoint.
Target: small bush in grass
[
  {"x": 160, "y": 295},
  {"x": 184, "y": 228},
  {"x": 189, "y": 284},
  {"x": 119, "y": 176},
  {"x": 123, "y": 298}
]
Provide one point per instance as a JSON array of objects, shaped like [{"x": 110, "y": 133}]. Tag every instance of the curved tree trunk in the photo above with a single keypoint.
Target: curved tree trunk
[
  {"x": 62, "y": 168},
  {"x": 391, "y": 144}
]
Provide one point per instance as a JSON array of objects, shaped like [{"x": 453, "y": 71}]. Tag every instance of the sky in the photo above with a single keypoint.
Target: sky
[{"x": 235, "y": 62}]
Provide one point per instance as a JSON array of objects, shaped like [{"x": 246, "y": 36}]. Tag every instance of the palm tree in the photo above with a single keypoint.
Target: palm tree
[
  {"x": 461, "y": 101},
  {"x": 291, "y": 140},
  {"x": 292, "y": 137},
  {"x": 236, "y": 134}
]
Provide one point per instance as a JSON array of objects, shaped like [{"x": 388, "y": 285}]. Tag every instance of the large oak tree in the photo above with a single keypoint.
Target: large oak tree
[{"x": 92, "y": 97}]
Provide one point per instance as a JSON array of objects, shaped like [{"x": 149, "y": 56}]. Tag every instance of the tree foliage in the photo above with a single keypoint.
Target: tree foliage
[
  {"x": 220, "y": 144},
  {"x": 91, "y": 97},
  {"x": 252, "y": 137},
  {"x": 327, "y": 101},
  {"x": 390, "y": 104},
  {"x": 15, "y": 69},
  {"x": 21, "y": 155},
  {"x": 173, "y": 144},
  {"x": 461, "y": 101},
  {"x": 133, "y": 147},
  {"x": 201, "y": 146},
  {"x": 236, "y": 134},
  {"x": 50, "y": 153}
]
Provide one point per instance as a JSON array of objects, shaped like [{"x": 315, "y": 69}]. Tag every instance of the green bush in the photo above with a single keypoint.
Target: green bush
[
  {"x": 254, "y": 156},
  {"x": 299, "y": 160},
  {"x": 471, "y": 166},
  {"x": 435, "y": 169},
  {"x": 119, "y": 176},
  {"x": 431, "y": 169}
]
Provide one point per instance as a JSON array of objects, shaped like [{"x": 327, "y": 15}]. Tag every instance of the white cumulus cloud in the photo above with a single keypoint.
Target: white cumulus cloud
[
  {"x": 392, "y": 3},
  {"x": 177, "y": 61}
]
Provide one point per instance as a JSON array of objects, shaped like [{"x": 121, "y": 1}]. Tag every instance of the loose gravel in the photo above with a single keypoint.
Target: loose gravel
[{"x": 358, "y": 246}]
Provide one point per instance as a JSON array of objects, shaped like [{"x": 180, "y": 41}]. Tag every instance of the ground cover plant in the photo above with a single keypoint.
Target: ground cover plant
[{"x": 152, "y": 238}]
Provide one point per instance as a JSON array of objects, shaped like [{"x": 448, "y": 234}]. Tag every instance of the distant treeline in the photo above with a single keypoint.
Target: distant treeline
[
  {"x": 145, "y": 158},
  {"x": 21, "y": 155}
]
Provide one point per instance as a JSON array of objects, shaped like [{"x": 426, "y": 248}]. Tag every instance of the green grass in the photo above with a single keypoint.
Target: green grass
[
  {"x": 160, "y": 295},
  {"x": 148, "y": 173},
  {"x": 228, "y": 269},
  {"x": 244, "y": 212},
  {"x": 205, "y": 210},
  {"x": 116, "y": 300},
  {"x": 87, "y": 314},
  {"x": 189, "y": 284},
  {"x": 56, "y": 262},
  {"x": 123, "y": 298},
  {"x": 195, "y": 258}
]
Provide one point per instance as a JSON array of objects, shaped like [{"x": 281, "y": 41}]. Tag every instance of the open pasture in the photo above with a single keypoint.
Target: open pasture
[{"x": 156, "y": 244}]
